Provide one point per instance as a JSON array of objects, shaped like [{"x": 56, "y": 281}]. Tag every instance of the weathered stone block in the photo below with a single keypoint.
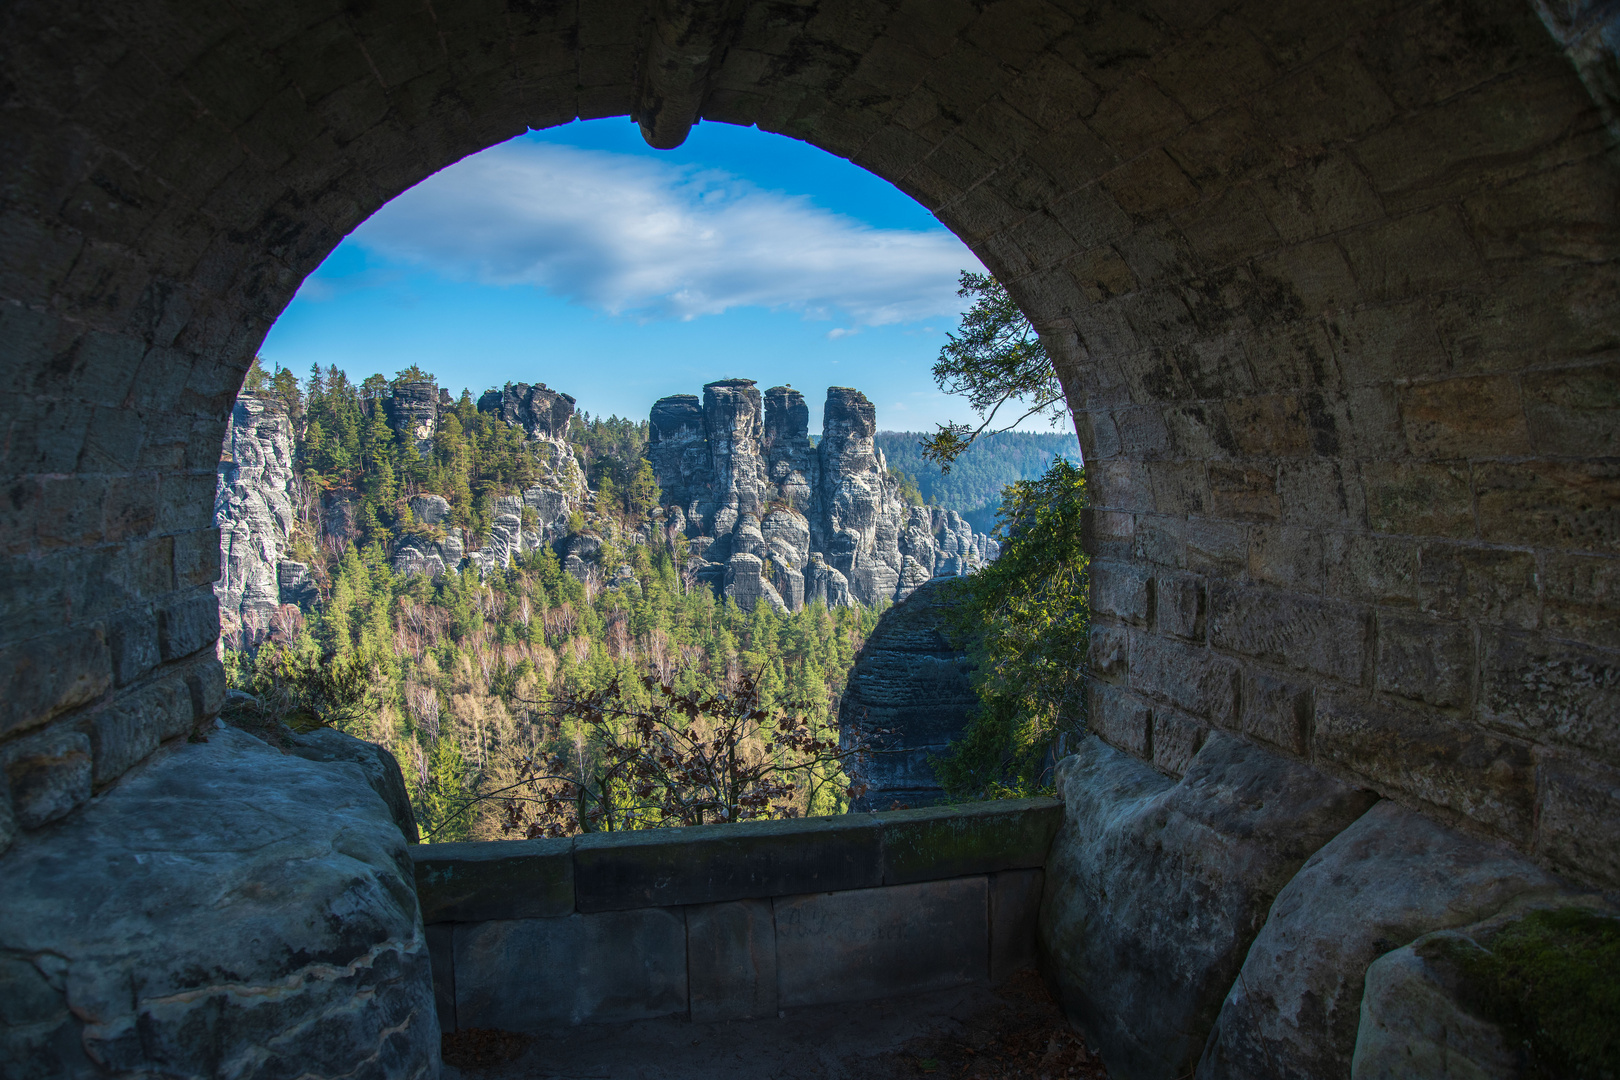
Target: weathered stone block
[
  {"x": 1550, "y": 504},
  {"x": 1154, "y": 888},
  {"x": 1122, "y": 590},
  {"x": 1015, "y": 906},
  {"x": 1122, "y": 718},
  {"x": 1582, "y": 599},
  {"x": 1216, "y": 547},
  {"x": 1430, "y": 757},
  {"x": 705, "y": 864},
  {"x": 1177, "y": 738},
  {"x": 1550, "y": 691},
  {"x": 441, "y": 947},
  {"x": 1578, "y": 819},
  {"x": 512, "y": 879},
  {"x": 46, "y": 677},
  {"x": 1386, "y": 879},
  {"x": 49, "y": 774},
  {"x": 609, "y": 967},
  {"x": 1421, "y": 499},
  {"x": 1573, "y": 411},
  {"x": 133, "y": 640},
  {"x": 1244, "y": 494},
  {"x": 133, "y": 726},
  {"x": 1305, "y": 632},
  {"x": 1287, "y": 557},
  {"x": 1277, "y": 711},
  {"x": 189, "y": 625},
  {"x": 1476, "y": 416},
  {"x": 954, "y": 841},
  {"x": 1425, "y": 659},
  {"x": 731, "y": 960},
  {"x": 1179, "y": 606},
  {"x": 866, "y": 944},
  {"x": 1192, "y": 678},
  {"x": 196, "y": 558},
  {"x": 205, "y": 678},
  {"x": 1108, "y": 651}
]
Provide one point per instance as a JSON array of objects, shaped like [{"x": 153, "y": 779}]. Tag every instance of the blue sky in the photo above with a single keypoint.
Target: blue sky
[{"x": 581, "y": 258}]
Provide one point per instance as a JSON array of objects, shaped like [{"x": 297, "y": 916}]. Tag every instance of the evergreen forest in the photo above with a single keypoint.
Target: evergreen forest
[
  {"x": 978, "y": 477},
  {"x": 460, "y": 676}
]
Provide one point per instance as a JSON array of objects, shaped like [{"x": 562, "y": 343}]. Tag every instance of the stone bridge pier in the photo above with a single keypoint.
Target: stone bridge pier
[{"x": 1332, "y": 291}]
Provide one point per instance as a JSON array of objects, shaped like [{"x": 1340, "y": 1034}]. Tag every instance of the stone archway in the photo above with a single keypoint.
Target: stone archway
[{"x": 1332, "y": 293}]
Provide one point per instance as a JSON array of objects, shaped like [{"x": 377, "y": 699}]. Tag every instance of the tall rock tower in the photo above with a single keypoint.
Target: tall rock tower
[{"x": 771, "y": 517}]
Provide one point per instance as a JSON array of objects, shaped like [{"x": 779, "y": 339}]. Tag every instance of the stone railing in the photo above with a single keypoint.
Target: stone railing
[{"x": 732, "y": 921}]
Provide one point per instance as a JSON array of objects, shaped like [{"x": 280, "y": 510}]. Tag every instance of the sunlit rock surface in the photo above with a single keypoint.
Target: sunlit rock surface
[
  {"x": 256, "y": 503},
  {"x": 827, "y": 521}
]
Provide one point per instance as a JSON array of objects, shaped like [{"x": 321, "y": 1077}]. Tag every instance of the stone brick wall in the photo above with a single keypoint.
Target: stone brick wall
[
  {"x": 1331, "y": 291},
  {"x": 729, "y": 922}
]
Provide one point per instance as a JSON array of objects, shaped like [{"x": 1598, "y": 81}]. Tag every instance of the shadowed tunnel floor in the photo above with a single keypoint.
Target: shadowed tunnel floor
[{"x": 1014, "y": 1030}]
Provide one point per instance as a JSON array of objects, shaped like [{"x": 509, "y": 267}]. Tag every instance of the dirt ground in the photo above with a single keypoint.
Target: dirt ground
[{"x": 974, "y": 1033}]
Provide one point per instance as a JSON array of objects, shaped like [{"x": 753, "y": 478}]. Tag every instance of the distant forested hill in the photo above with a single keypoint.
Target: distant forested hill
[{"x": 973, "y": 486}]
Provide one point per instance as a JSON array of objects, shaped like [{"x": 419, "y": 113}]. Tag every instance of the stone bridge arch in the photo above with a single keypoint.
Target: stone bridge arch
[{"x": 1331, "y": 289}]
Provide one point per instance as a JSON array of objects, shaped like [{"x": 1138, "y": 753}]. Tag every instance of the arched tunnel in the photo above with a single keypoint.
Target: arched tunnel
[{"x": 1332, "y": 291}]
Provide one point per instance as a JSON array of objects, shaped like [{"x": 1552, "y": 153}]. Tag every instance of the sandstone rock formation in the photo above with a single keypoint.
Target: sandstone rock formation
[
  {"x": 910, "y": 682},
  {"x": 1420, "y": 1013},
  {"x": 1386, "y": 879},
  {"x": 544, "y": 415},
  {"x": 773, "y": 518},
  {"x": 1155, "y": 888},
  {"x": 225, "y": 910},
  {"x": 256, "y": 503},
  {"x": 413, "y": 412}
]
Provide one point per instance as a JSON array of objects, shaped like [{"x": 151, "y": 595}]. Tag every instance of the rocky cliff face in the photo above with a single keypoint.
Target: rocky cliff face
[
  {"x": 910, "y": 693},
  {"x": 413, "y": 412},
  {"x": 773, "y": 518},
  {"x": 256, "y": 503},
  {"x": 544, "y": 415}
]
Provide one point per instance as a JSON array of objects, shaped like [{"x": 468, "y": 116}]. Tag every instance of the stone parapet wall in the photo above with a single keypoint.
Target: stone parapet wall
[{"x": 732, "y": 921}]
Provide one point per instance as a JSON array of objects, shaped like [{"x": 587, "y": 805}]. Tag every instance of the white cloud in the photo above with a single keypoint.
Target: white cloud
[
  {"x": 629, "y": 235},
  {"x": 840, "y": 331}
]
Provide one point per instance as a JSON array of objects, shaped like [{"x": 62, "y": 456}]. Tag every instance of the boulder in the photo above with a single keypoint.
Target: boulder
[
  {"x": 1155, "y": 888},
  {"x": 1425, "y": 1012},
  {"x": 380, "y": 767},
  {"x": 223, "y": 910},
  {"x": 1388, "y": 878}
]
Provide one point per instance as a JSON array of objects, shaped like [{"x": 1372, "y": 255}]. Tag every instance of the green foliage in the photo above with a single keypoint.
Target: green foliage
[
  {"x": 998, "y": 359},
  {"x": 296, "y": 684},
  {"x": 1024, "y": 620},
  {"x": 611, "y": 453},
  {"x": 1549, "y": 980},
  {"x": 973, "y": 486},
  {"x": 906, "y": 488}
]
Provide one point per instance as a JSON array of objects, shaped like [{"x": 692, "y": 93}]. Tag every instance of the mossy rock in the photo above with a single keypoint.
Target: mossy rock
[{"x": 1550, "y": 981}]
